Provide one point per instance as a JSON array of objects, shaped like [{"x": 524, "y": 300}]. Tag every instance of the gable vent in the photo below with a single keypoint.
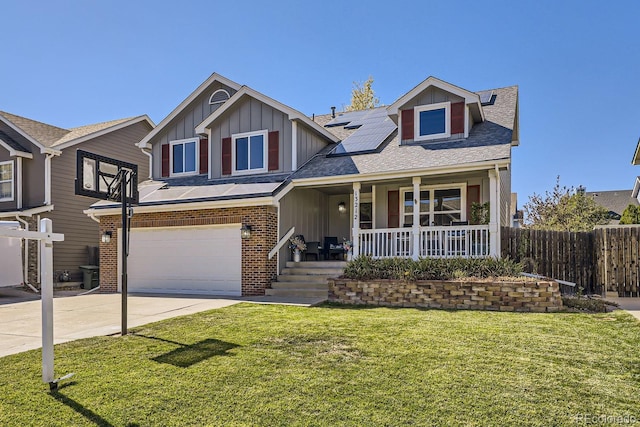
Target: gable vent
[{"x": 219, "y": 96}]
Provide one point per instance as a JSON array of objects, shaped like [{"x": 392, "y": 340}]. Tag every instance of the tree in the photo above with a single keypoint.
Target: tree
[
  {"x": 631, "y": 215},
  {"x": 564, "y": 209},
  {"x": 362, "y": 96}
]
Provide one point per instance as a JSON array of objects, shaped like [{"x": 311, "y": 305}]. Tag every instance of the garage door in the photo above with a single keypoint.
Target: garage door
[{"x": 187, "y": 260}]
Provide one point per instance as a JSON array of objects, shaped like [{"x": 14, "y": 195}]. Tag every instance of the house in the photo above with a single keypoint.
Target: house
[
  {"x": 236, "y": 173},
  {"x": 37, "y": 172},
  {"x": 614, "y": 201}
]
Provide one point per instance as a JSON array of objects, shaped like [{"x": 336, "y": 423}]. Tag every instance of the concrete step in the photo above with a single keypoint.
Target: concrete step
[
  {"x": 300, "y": 285},
  {"x": 333, "y": 272},
  {"x": 304, "y": 293},
  {"x": 302, "y": 278},
  {"x": 317, "y": 264}
]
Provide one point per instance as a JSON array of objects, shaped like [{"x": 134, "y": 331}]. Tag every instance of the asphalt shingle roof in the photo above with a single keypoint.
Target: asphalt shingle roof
[
  {"x": 12, "y": 143},
  {"x": 52, "y": 136},
  {"x": 489, "y": 140},
  {"x": 615, "y": 201}
]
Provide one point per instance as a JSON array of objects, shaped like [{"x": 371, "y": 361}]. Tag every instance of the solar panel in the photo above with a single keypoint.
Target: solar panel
[
  {"x": 486, "y": 97},
  {"x": 373, "y": 128}
]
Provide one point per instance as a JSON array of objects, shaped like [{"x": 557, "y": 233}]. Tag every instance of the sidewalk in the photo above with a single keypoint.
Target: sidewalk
[{"x": 631, "y": 305}]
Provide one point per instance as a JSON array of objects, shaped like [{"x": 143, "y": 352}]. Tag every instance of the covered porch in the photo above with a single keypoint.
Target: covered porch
[{"x": 410, "y": 216}]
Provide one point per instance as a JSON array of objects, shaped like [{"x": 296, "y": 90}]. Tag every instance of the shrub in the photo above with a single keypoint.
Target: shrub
[
  {"x": 367, "y": 268},
  {"x": 591, "y": 305}
]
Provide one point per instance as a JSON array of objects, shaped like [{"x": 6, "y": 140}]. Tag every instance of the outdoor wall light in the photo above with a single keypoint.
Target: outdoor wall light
[
  {"x": 245, "y": 231},
  {"x": 342, "y": 208},
  {"x": 106, "y": 237}
]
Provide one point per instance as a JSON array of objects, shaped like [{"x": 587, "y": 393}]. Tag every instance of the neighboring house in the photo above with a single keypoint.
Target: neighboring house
[
  {"x": 615, "y": 202},
  {"x": 396, "y": 181},
  {"x": 37, "y": 174}
]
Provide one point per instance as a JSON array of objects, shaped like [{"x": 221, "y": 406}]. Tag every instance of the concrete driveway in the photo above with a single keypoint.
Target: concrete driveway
[{"x": 84, "y": 316}]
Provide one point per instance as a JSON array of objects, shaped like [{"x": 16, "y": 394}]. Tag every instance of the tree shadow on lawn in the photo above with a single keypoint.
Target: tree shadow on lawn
[{"x": 190, "y": 354}]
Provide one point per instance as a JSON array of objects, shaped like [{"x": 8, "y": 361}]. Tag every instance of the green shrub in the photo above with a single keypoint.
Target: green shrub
[
  {"x": 591, "y": 305},
  {"x": 367, "y": 268}
]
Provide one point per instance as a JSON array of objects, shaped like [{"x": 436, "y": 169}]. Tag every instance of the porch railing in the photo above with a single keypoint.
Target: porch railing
[{"x": 434, "y": 242}]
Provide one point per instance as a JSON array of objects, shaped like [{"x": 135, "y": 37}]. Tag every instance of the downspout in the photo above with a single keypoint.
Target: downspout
[
  {"x": 25, "y": 269},
  {"x": 47, "y": 178},
  {"x": 148, "y": 153}
]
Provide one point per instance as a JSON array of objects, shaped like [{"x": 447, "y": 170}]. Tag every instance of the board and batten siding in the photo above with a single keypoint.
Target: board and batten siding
[
  {"x": 432, "y": 95},
  {"x": 183, "y": 126},
  {"x": 249, "y": 115},
  {"x": 68, "y": 218},
  {"x": 309, "y": 143},
  {"x": 306, "y": 210}
]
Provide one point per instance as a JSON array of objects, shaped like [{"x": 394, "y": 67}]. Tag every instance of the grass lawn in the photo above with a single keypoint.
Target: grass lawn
[{"x": 279, "y": 365}]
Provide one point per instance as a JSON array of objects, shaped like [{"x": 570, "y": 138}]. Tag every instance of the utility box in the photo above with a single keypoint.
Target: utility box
[{"x": 90, "y": 276}]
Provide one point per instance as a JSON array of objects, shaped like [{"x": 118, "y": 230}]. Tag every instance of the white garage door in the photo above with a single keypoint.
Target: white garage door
[{"x": 187, "y": 260}]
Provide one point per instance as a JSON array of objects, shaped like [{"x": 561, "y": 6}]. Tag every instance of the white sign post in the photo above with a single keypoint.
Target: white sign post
[{"x": 46, "y": 238}]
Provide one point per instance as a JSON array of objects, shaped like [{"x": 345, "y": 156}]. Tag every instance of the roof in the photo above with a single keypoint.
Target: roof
[
  {"x": 12, "y": 143},
  {"x": 54, "y": 137},
  {"x": 215, "y": 77},
  {"x": 488, "y": 141},
  {"x": 615, "y": 201}
]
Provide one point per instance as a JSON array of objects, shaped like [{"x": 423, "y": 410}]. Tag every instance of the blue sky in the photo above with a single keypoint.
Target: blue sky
[{"x": 577, "y": 64}]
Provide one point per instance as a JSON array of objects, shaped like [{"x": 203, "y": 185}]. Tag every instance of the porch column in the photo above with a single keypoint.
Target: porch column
[
  {"x": 494, "y": 213},
  {"x": 415, "y": 230},
  {"x": 355, "y": 239}
]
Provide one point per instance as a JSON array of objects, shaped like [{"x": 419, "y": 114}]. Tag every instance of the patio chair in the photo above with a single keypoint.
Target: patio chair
[
  {"x": 331, "y": 247},
  {"x": 313, "y": 248}
]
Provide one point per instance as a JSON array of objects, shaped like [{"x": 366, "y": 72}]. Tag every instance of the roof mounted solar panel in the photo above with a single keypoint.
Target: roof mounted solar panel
[
  {"x": 487, "y": 97},
  {"x": 373, "y": 128}
]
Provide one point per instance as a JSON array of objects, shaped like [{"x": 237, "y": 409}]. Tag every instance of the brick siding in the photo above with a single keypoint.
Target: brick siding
[{"x": 257, "y": 270}]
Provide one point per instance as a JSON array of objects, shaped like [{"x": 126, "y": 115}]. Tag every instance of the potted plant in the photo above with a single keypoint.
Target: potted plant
[
  {"x": 297, "y": 245},
  {"x": 347, "y": 245}
]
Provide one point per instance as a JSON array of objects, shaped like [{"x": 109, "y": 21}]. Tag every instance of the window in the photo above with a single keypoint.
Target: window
[
  {"x": 6, "y": 181},
  {"x": 184, "y": 158},
  {"x": 249, "y": 152},
  {"x": 432, "y": 121},
  {"x": 438, "y": 206},
  {"x": 366, "y": 216}
]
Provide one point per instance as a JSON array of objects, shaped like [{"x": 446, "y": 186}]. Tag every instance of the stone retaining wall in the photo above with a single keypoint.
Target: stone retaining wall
[{"x": 528, "y": 296}]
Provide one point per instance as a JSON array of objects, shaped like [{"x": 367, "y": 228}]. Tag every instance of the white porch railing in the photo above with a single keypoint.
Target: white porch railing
[{"x": 434, "y": 242}]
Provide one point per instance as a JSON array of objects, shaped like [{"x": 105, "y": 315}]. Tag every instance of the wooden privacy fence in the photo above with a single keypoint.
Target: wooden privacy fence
[{"x": 604, "y": 259}]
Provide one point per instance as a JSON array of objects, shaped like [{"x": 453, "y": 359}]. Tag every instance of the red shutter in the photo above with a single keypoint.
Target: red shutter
[
  {"x": 393, "y": 209},
  {"x": 406, "y": 121},
  {"x": 204, "y": 155},
  {"x": 473, "y": 196},
  {"x": 274, "y": 150},
  {"x": 457, "y": 118},
  {"x": 226, "y": 156},
  {"x": 165, "y": 159}
]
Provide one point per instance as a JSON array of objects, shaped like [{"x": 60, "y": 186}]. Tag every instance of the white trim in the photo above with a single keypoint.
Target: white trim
[
  {"x": 183, "y": 142},
  {"x": 466, "y": 121},
  {"x": 636, "y": 155},
  {"x": 294, "y": 146},
  {"x": 291, "y": 113},
  {"x": 27, "y": 213},
  {"x": 219, "y": 102},
  {"x": 105, "y": 131},
  {"x": 265, "y": 152},
  {"x": 432, "y": 188},
  {"x": 18, "y": 179},
  {"x": 47, "y": 178},
  {"x": 408, "y": 173},
  {"x": 430, "y": 107},
  {"x": 178, "y": 207},
  {"x": 184, "y": 104},
  {"x": 23, "y": 133},
  {"x": 13, "y": 152},
  {"x": 469, "y": 97},
  {"x": 12, "y": 180}
]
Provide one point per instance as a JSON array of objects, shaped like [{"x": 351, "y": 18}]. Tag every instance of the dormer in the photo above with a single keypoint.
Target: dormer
[{"x": 435, "y": 111}]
